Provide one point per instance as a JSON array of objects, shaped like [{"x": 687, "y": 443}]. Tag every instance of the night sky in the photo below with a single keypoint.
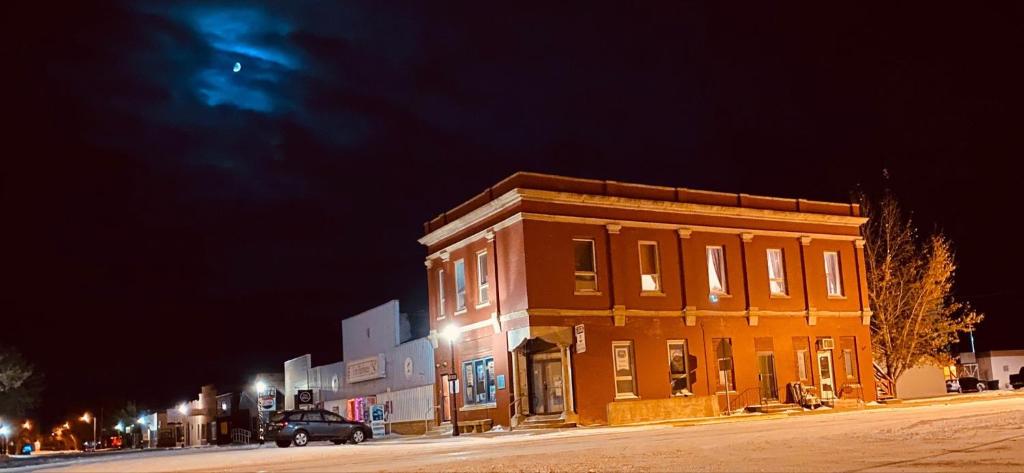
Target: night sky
[{"x": 170, "y": 222}]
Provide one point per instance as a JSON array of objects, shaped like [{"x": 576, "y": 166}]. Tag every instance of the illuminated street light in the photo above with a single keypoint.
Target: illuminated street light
[
  {"x": 451, "y": 333},
  {"x": 4, "y": 430},
  {"x": 183, "y": 408},
  {"x": 27, "y": 425},
  {"x": 261, "y": 386},
  {"x": 67, "y": 425},
  {"x": 142, "y": 420}
]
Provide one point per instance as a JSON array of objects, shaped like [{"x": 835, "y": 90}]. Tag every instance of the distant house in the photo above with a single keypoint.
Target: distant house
[{"x": 999, "y": 365}]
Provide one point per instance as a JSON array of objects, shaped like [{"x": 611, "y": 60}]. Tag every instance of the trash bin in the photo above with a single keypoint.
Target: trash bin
[{"x": 992, "y": 384}]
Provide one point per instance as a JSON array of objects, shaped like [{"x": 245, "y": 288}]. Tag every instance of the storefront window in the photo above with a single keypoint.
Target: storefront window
[
  {"x": 726, "y": 374},
  {"x": 679, "y": 368},
  {"x": 479, "y": 380}
]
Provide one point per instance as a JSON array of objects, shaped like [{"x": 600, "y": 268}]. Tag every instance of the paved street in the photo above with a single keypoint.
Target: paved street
[{"x": 985, "y": 435}]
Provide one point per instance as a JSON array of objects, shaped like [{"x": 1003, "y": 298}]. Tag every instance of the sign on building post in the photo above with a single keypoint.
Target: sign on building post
[
  {"x": 581, "y": 339},
  {"x": 304, "y": 398},
  {"x": 377, "y": 420}
]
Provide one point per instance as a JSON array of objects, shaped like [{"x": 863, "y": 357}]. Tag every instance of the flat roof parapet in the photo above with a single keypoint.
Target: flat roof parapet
[{"x": 554, "y": 183}]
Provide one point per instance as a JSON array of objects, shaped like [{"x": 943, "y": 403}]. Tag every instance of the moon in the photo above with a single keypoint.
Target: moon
[{"x": 238, "y": 67}]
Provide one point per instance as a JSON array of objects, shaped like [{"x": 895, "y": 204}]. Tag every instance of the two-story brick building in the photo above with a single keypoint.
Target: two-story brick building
[{"x": 603, "y": 302}]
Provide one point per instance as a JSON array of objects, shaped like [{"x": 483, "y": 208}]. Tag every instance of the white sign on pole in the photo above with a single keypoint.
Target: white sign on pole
[{"x": 581, "y": 339}]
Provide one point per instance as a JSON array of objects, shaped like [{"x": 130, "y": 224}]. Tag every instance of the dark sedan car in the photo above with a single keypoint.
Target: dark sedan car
[
  {"x": 970, "y": 384},
  {"x": 301, "y": 427}
]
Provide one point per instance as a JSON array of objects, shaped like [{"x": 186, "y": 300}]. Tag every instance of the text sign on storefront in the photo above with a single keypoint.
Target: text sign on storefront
[
  {"x": 581, "y": 339},
  {"x": 377, "y": 420},
  {"x": 366, "y": 368}
]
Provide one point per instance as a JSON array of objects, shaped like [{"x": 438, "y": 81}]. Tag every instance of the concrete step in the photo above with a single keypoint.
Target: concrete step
[
  {"x": 773, "y": 408},
  {"x": 554, "y": 421}
]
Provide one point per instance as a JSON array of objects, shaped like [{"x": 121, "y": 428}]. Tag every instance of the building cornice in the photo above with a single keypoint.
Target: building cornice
[
  {"x": 474, "y": 217},
  {"x": 688, "y": 208}
]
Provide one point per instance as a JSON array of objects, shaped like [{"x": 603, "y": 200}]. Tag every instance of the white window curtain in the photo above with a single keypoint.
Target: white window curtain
[
  {"x": 716, "y": 270},
  {"x": 776, "y": 272},
  {"x": 832, "y": 275}
]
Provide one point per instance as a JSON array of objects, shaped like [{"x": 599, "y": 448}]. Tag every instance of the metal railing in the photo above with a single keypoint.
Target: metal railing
[
  {"x": 739, "y": 401},
  {"x": 240, "y": 436}
]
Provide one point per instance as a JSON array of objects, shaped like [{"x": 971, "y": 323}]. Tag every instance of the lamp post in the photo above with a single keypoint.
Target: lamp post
[
  {"x": 451, "y": 332},
  {"x": 183, "y": 410},
  {"x": 260, "y": 387},
  {"x": 88, "y": 419},
  {"x": 4, "y": 432}
]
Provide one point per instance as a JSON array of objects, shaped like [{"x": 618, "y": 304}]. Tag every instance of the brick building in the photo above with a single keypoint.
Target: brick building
[{"x": 599, "y": 302}]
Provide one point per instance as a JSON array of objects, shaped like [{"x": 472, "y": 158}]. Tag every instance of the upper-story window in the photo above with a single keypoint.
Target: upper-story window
[
  {"x": 650, "y": 272},
  {"x": 440, "y": 293},
  {"x": 460, "y": 285},
  {"x": 716, "y": 270},
  {"x": 586, "y": 267},
  {"x": 481, "y": 272},
  {"x": 833, "y": 278},
  {"x": 776, "y": 272}
]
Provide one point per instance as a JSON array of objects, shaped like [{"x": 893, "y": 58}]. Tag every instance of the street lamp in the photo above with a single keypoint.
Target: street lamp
[
  {"x": 88, "y": 419},
  {"x": 4, "y": 432},
  {"x": 451, "y": 332},
  {"x": 260, "y": 388}
]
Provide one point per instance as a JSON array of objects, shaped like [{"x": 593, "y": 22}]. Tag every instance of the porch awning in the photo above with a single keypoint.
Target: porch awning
[{"x": 561, "y": 336}]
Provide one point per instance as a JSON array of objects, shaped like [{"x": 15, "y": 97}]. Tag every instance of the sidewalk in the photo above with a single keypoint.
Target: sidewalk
[{"x": 742, "y": 417}]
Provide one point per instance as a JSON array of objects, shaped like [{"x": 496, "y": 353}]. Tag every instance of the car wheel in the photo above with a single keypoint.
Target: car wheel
[
  {"x": 283, "y": 443},
  {"x": 981, "y": 387},
  {"x": 301, "y": 438},
  {"x": 358, "y": 436}
]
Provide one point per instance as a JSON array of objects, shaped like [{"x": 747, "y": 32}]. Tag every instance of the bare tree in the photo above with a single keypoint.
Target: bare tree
[
  {"x": 19, "y": 383},
  {"x": 910, "y": 281}
]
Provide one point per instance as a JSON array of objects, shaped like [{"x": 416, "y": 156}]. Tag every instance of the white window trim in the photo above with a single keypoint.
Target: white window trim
[
  {"x": 632, "y": 370},
  {"x": 440, "y": 295},
  {"x": 462, "y": 309},
  {"x": 658, "y": 290},
  {"x": 782, "y": 277},
  {"x": 724, "y": 277},
  {"x": 838, "y": 275},
  {"x": 593, "y": 259},
  {"x": 482, "y": 288},
  {"x": 686, "y": 365}
]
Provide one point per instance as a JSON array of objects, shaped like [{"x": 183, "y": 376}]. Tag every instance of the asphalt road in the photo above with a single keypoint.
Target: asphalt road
[{"x": 986, "y": 435}]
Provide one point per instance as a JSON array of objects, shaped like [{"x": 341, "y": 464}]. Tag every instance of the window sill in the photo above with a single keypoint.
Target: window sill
[
  {"x": 626, "y": 397},
  {"x": 720, "y": 295},
  {"x": 478, "y": 407},
  {"x": 460, "y": 311},
  {"x": 722, "y": 393},
  {"x": 836, "y": 297},
  {"x": 442, "y": 317},
  {"x": 485, "y": 304},
  {"x": 588, "y": 293},
  {"x": 652, "y": 294},
  {"x": 779, "y": 296}
]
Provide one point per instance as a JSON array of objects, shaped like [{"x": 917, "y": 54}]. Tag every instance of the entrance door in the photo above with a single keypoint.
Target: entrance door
[
  {"x": 766, "y": 376},
  {"x": 826, "y": 381},
  {"x": 546, "y": 383},
  {"x": 446, "y": 400}
]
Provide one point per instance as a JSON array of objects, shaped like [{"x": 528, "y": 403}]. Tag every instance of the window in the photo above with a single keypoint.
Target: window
[
  {"x": 833, "y": 279},
  {"x": 333, "y": 417},
  {"x": 716, "y": 270},
  {"x": 726, "y": 374},
  {"x": 313, "y": 416},
  {"x": 460, "y": 285},
  {"x": 585, "y": 269},
  {"x": 849, "y": 347},
  {"x": 650, "y": 277},
  {"x": 802, "y": 352},
  {"x": 481, "y": 275},
  {"x": 679, "y": 368},
  {"x": 625, "y": 385},
  {"x": 440, "y": 294},
  {"x": 478, "y": 378},
  {"x": 776, "y": 272}
]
